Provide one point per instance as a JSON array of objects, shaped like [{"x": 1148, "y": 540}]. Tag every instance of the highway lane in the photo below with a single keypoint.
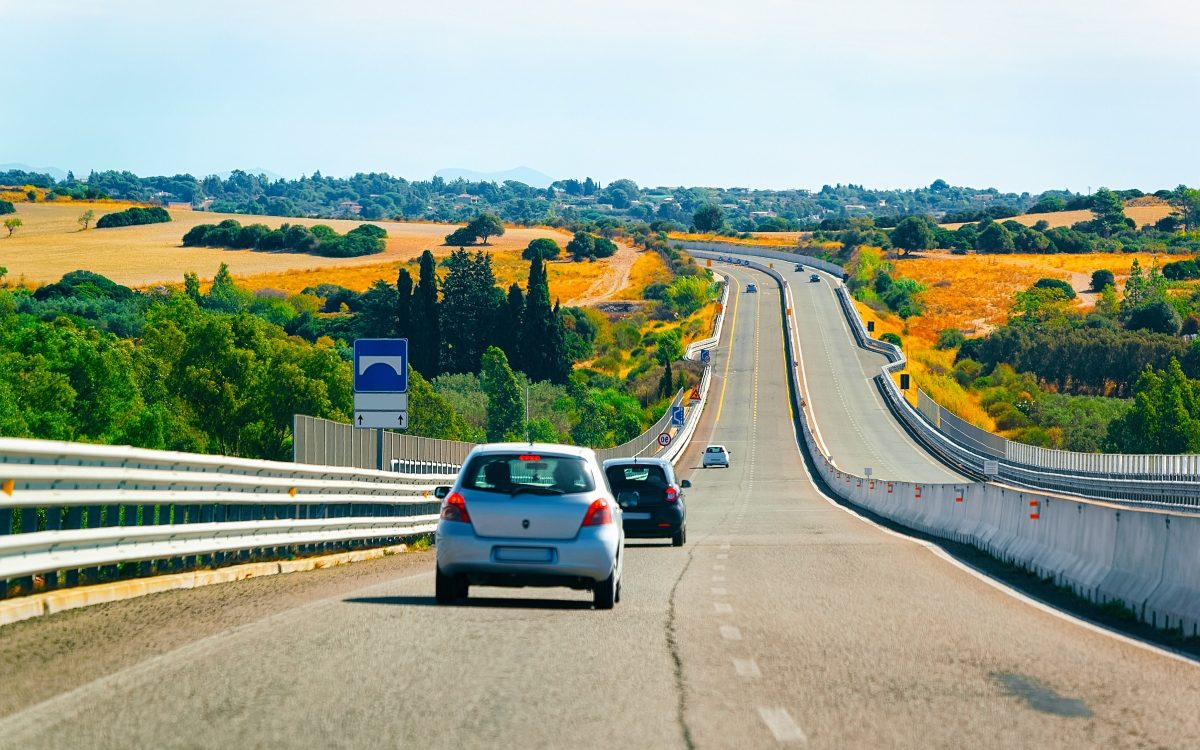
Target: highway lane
[
  {"x": 854, "y": 422},
  {"x": 784, "y": 620}
]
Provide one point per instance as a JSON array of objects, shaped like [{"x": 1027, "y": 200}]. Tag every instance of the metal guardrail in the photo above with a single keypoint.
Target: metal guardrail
[{"x": 75, "y": 513}]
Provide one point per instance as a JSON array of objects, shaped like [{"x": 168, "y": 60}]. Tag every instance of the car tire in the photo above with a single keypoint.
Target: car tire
[
  {"x": 445, "y": 588},
  {"x": 679, "y": 538},
  {"x": 462, "y": 587},
  {"x": 604, "y": 595}
]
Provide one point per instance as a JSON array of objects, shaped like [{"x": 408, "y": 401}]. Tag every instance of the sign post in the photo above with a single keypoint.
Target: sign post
[{"x": 380, "y": 387}]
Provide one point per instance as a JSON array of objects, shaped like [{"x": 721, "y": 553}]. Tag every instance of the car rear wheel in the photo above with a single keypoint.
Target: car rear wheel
[
  {"x": 679, "y": 538},
  {"x": 604, "y": 595},
  {"x": 445, "y": 590}
]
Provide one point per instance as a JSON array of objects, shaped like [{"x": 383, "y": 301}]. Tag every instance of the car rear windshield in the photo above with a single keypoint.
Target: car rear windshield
[
  {"x": 714, "y": 449},
  {"x": 636, "y": 477},
  {"x": 510, "y": 473}
]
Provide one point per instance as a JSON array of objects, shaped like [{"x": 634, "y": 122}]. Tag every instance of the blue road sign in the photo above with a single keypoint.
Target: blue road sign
[
  {"x": 381, "y": 365},
  {"x": 677, "y": 416},
  {"x": 705, "y": 355}
]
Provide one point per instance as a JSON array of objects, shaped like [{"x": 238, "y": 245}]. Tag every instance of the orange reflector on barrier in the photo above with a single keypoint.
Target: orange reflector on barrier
[
  {"x": 889, "y": 488},
  {"x": 1033, "y": 503},
  {"x": 1034, "y": 516},
  {"x": 292, "y": 492},
  {"x": 918, "y": 492},
  {"x": 958, "y": 498},
  {"x": 872, "y": 484}
]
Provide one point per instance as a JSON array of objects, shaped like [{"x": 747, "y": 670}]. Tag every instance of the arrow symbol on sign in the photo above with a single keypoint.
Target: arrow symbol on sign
[{"x": 360, "y": 420}]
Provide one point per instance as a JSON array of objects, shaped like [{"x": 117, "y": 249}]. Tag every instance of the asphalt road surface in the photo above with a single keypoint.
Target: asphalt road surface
[{"x": 786, "y": 620}]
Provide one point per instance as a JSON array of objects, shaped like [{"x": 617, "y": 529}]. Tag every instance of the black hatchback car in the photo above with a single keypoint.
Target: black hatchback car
[{"x": 650, "y": 496}]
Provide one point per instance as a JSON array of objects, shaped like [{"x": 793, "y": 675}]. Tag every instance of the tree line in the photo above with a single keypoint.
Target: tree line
[
  {"x": 323, "y": 240},
  {"x": 134, "y": 216}
]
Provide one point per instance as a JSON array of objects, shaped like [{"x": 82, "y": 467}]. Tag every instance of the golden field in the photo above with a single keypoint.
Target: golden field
[
  {"x": 759, "y": 239},
  {"x": 51, "y": 243},
  {"x": 973, "y": 293},
  {"x": 1141, "y": 215}
]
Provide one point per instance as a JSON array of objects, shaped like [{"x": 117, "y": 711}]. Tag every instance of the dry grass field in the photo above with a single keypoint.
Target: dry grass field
[
  {"x": 759, "y": 239},
  {"x": 1141, "y": 215},
  {"x": 569, "y": 282},
  {"x": 51, "y": 243},
  {"x": 973, "y": 293}
]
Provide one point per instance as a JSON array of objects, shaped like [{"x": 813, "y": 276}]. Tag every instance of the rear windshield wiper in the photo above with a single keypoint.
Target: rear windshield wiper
[{"x": 534, "y": 489}]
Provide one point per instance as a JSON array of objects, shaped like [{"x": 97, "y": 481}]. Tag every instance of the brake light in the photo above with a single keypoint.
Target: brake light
[
  {"x": 598, "y": 513},
  {"x": 455, "y": 509},
  {"x": 529, "y": 457},
  {"x": 672, "y": 494}
]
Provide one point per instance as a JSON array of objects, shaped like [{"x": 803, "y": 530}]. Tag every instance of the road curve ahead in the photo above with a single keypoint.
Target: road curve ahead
[{"x": 786, "y": 621}]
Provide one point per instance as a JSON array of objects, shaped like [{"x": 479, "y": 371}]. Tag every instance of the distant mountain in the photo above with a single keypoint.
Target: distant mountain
[
  {"x": 54, "y": 172},
  {"x": 530, "y": 177}
]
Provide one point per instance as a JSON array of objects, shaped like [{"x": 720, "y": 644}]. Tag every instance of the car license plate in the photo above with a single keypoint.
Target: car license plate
[
  {"x": 524, "y": 554},
  {"x": 637, "y": 516}
]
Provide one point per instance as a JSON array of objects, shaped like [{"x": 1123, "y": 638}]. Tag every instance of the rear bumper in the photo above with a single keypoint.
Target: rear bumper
[
  {"x": 578, "y": 563},
  {"x": 671, "y": 515}
]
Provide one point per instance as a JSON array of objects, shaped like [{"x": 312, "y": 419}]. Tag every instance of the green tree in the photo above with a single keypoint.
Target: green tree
[
  {"x": 913, "y": 233},
  {"x": 376, "y": 317},
  {"x": 486, "y": 225},
  {"x": 1110, "y": 212},
  {"x": 470, "y": 299},
  {"x": 582, "y": 245},
  {"x": 509, "y": 323},
  {"x": 1101, "y": 279},
  {"x": 505, "y": 409},
  {"x": 543, "y": 340},
  {"x": 85, "y": 218},
  {"x": 1163, "y": 418},
  {"x": 543, "y": 247},
  {"x": 995, "y": 238},
  {"x": 404, "y": 298},
  {"x": 425, "y": 339},
  {"x": 461, "y": 237},
  {"x": 12, "y": 225},
  {"x": 709, "y": 218},
  {"x": 1188, "y": 201}
]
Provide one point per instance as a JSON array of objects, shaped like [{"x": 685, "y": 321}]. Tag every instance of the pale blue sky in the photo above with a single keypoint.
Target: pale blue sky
[{"x": 1019, "y": 95}]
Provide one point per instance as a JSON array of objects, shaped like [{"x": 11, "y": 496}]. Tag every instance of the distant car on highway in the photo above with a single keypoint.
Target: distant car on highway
[
  {"x": 751, "y": 288},
  {"x": 799, "y": 267},
  {"x": 650, "y": 496},
  {"x": 530, "y": 514},
  {"x": 715, "y": 455},
  {"x": 814, "y": 277}
]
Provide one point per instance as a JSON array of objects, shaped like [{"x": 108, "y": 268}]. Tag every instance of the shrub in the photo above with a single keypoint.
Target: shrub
[
  {"x": 134, "y": 216},
  {"x": 892, "y": 338},
  {"x": 7, "y": 208},
  {"x": 950, "y": 338},
  {"x": 1101, "y": 279},
  {"x": 1057, "y": 284}
]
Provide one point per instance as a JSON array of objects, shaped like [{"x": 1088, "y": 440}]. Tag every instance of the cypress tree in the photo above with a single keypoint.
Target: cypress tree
[
  {"x": 666, "y": 384},
  {"x": 505, "y": 409},
  {"x": 507, "y": 333},
  {"x": 425, "y": 339},
  {"x": 404, "y": 288},
  {"x": 537, "y": 323}
]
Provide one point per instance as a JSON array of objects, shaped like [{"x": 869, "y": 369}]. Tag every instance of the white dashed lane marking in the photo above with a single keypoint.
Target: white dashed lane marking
[
  {"x": 782, "y": 725},
  {"x": 723, "y": 608},
  {"x": 719, "y": 591},
  {"x": 746, "y": 668},
  {"x": 731, "y": 633}
]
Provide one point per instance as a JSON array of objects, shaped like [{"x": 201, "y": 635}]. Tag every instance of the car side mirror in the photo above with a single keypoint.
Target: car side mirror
[
  {"x": 441, "y": 492},
  {"x": 685, "y": 484}
]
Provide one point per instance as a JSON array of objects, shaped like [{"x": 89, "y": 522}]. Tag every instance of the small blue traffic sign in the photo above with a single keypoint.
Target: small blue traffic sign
[
  {"x": 705, "y": 355},
  {"x": 381, "y": 365},
  {"x": 677, "y": 416}
]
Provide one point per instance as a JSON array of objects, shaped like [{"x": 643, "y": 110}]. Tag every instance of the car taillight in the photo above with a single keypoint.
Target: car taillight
[
  {"x": 455, "y": 509},
  {"x": 598, "y": 513},
  {"x": 672, "y": 495}
]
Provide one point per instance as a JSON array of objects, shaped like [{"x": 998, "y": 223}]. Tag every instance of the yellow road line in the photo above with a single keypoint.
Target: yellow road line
[{"x": 737, "y": 297}]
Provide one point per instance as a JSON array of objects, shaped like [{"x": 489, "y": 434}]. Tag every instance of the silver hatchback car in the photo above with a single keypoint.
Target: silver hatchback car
[
  {"x": 715, "y": 455},
  {"x": 530, "y": 514}
]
